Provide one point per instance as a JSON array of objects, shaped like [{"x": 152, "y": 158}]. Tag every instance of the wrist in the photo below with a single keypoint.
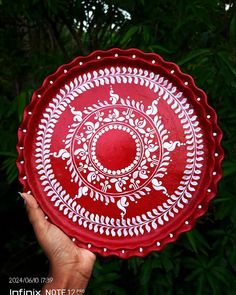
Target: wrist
[{"x": 68, "y": 278}]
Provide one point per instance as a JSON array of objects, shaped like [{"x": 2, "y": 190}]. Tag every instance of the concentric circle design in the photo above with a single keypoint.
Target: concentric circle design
[
  {"x": 117, "y": 143},
  {"x": 126, "y": 151}
]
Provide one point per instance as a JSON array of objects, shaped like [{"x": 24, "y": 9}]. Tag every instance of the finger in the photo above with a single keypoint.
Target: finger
[{"x": 35, "y": 214}]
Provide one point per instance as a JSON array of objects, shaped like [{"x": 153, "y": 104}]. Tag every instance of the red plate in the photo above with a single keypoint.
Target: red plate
[{"x": 121, "y": 150}]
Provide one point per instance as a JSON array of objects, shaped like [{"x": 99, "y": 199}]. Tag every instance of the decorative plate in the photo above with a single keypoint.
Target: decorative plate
[{"x": 121, "y": 150}]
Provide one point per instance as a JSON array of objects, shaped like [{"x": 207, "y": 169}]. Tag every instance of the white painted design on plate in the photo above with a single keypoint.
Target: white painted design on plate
[
  {"x": 133, "y": 181},
  {"x": 153, "y": 148}
]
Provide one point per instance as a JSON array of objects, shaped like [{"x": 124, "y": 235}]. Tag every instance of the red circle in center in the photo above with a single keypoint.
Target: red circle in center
[{"x": 115, "y": 149}]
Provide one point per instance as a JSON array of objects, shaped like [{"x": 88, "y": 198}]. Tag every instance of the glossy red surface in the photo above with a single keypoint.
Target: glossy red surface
[{"x": 121, "y": 150}]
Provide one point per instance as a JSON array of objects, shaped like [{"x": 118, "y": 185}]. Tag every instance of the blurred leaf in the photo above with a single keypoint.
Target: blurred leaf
[
  {"x": 192, "y": 55},
  {"x": 232, "y": 30},
  {"x": 129, "y": 34},
  {"x": 229, "y": 168},
  {"x": 192, "y": 241},
  {"x": 9, "y": 165},
  {"x": 23, "y": 100},
  {"x": 225, "y": 59}
]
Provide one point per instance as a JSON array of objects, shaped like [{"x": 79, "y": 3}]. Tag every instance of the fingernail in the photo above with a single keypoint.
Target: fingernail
[{"x": 22, "y": 196}]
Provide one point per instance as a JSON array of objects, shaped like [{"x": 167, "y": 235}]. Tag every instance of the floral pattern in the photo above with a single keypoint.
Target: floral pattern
[
  {"x": 152, "y": 147},
  {"x": 105, "y": 223}
]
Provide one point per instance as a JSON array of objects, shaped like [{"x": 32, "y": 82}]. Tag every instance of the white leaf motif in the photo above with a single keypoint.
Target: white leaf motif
[
  {"x": 122, "y": 204},
  {"x": 157, "y": 185},
  {"x": 62, "y": 154},
  {"x": 170, "y": 146}
]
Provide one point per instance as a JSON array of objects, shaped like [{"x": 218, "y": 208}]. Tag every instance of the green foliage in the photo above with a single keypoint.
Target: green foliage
[{"x": 38, "y": 36}]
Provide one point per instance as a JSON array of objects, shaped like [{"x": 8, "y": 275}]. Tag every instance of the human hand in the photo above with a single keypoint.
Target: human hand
[{"x": 70, "y": 266}]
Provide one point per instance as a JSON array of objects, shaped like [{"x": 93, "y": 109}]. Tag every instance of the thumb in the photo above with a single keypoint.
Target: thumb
[{"x": 35, "y": 214}]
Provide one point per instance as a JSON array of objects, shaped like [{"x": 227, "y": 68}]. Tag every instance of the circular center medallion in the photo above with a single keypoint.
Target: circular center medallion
[{"x": 115, "y": 149}]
